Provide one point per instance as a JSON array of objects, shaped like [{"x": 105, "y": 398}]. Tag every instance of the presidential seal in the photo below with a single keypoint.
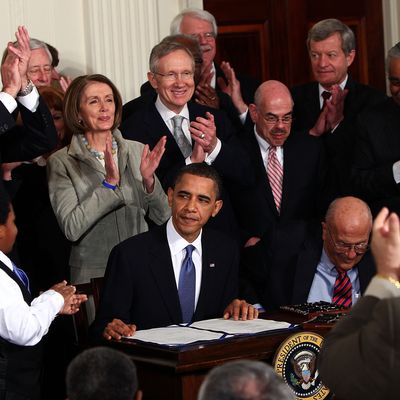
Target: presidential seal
[{"x": 296, "y": 362}]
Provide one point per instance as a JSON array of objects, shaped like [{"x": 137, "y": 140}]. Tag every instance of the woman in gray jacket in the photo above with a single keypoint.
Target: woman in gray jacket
[{"x": 101, "y": 186}]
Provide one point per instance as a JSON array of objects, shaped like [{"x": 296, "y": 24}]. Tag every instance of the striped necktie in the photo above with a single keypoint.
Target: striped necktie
[
  {"x": 342, "y": 291},
  {"x": 275, "y": 176}
]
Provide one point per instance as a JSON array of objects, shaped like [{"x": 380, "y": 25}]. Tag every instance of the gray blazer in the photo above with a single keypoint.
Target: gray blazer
[{"x": 94, "y": 217}]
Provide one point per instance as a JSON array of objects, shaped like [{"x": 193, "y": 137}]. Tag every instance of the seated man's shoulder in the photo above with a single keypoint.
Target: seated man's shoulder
[{"x": 142, "y": 241}]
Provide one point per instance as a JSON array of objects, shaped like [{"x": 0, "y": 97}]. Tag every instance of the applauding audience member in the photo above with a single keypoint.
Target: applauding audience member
[{"x": 101, "y": 186}]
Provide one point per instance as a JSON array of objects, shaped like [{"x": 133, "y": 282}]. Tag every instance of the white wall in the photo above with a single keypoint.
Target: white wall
[{"x": 114, "y": 37}]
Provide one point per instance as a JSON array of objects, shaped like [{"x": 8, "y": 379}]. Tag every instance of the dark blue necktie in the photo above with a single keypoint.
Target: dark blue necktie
[
  {"x": 187, "y": 285},
  {"x": 23, "y": 277}
]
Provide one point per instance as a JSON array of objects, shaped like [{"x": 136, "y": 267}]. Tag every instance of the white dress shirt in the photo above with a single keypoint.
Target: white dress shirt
[
  {"x": 30, "y": 101},
  {"x": 20, "y": 323},
  {"x": 264, "y": 149},
  {"x": 167, "y": 115},
  {"x": 177, "y": 245}
]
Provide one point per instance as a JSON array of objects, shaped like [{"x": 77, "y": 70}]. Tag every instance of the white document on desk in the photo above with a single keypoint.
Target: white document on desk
[
  {"x": 174, "y": 335},
  {"x": 211, "y": 329},
  {"x": 230, "y": 326}
]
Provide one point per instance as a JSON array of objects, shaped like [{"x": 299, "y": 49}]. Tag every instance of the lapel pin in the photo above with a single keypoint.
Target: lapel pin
[{"x": 212, "y": 265}]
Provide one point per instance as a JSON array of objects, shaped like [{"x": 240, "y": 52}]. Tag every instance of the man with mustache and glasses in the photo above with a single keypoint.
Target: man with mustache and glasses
[
  {"x": 288, "y": 168},
  {"x": 214, "y": 79}
]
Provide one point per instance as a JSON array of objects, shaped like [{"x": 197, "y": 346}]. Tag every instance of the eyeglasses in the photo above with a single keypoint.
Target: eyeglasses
[
  {"x": 358, "y": 248},
  {"x": 394, "y": 81},
  {"x": 208, "y": 36},
  {"x": 272, "y": 119},
  {"x": 174, "y": 76}
]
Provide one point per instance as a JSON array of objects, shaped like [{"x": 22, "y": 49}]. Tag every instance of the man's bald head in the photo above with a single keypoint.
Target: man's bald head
[
  {"x": 348, "y": 222},
  {"x": 272, "y": 112},
  {"x": 272, "y": 91}
]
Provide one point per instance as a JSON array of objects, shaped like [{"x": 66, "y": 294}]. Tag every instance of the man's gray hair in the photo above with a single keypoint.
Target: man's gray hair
[
  {"x": 394, "y": 52},
  {"x": 327, "y": 27},
  {"x": 204, "y": 15},
  {"x": 164, "y": 48},
  {"x": 38, "y": 44},
  {"x": 244, "y": 380}
]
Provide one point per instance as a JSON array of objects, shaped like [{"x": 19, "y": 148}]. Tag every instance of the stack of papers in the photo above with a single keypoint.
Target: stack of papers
[{"x": 211, "y": 329}]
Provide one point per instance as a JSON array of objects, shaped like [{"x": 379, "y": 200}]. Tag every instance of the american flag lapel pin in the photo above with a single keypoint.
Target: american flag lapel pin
[{"x": 212, "y": 265}]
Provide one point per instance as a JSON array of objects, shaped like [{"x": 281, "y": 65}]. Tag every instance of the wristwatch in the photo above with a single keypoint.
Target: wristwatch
[{"x": 28, "y": 89}]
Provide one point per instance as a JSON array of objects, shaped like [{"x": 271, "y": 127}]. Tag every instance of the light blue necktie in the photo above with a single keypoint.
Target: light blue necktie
[
  {"x": 23, "y": 277},
  {"x": 187, "y": 285}
]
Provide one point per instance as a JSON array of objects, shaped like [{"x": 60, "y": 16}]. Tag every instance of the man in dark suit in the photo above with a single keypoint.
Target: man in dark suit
[
  {"x": 300, "y": 159},
  {"x": 37, "y": 135},
  {"x": 143, "y": 280},
  {"x": 331, "y": 46},
  {"x": 204, "y": 134},
  {"x": 299, "y": 263},
  {"x": 214, "y": 79},
  {"x": 366, "y": 341},
  {"x": 376, "y": 169}
]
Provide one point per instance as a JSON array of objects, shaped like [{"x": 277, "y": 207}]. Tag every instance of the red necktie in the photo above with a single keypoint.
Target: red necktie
[
  {"x": 275, "y": 176},
  {"x": 342, "y": 291}
]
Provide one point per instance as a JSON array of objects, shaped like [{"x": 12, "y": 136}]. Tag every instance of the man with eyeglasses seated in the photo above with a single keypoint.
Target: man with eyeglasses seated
[
  {"x": 308, "y": 262},
  {"x": 376, "y": 168},
  {"x": 288, "y": 168}
]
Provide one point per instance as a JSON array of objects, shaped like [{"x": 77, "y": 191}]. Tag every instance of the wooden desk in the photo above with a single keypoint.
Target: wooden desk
[{"x": 177, "y": 374}]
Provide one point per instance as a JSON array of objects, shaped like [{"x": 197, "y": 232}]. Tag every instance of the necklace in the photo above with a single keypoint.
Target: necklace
[{"x": 99, "y": 154}]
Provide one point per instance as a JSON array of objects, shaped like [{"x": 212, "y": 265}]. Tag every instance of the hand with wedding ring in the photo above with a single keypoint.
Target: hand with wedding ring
[{"x": 204, "y": 132}]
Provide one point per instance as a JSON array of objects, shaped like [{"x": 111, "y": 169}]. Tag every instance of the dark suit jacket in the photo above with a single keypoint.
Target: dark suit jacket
[
  {"x": 340, "y": 143},
  {"x": 147, "y": 126},
  {"x": 302, "y": 195},
  {"x": 37, "y": 135},
  {"x": 287, "y": 261},
  {"x": 365, "y": 343},
  {"x": 377, "y": 148},
  {"x": 140, "y": 285}
]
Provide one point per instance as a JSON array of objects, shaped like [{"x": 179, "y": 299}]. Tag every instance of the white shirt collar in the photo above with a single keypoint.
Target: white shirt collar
[
  {"x": 342, "y": 85},
  {"x": 177, "y": 243},
  {"x": 167, "y": 114}
]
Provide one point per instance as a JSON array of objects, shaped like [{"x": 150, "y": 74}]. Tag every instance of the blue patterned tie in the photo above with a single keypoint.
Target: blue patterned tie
[
  {"x": 187, "y": 285},
  {"x": 23, "y": 277}
]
